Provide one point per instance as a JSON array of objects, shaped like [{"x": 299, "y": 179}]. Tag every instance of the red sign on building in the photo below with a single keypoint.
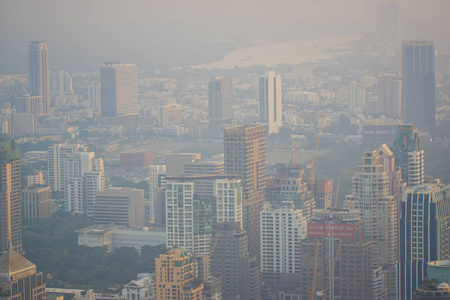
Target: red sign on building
[{"x": 332, "y": 230}]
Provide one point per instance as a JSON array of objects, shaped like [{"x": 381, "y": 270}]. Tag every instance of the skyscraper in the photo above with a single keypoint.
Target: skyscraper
[
  {"x": 37, "y": 203},
  {"x": 281, "y": 232},
  {"x": 118, "y": 89},
  {"x": 220, "y": 103},
  {"x": 245, "y": 155},
  {"x": 418, "y": 84},
  {"x": 270, "y": 109},
  {"x": 94, "y": 95},
  {"x": 379, "y": 210},
  {"x": 388, "y": 20},
  {"x": 157, "y": 174},
  {"x": 231, "y": 261},
  {"x": 424, "y": 234},
  {"x": 357, "y": 102},
  {"x": 39, "y": 72},
  {"x": 409, "y": 155},
  {"x": 390, "y": 96},
  {"x": 19, "y": 279},
  {"x": 343, "y": 266},
  {"x": 55, "y": 160},
  {"x": 10, "y": 198}
]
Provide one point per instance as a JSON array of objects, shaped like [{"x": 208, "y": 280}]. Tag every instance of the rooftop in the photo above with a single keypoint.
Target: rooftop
[{"x": 12, "y": 262}]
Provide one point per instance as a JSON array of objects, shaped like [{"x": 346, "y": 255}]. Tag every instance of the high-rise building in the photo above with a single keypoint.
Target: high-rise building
[
  {"x": 118, "y": 89},
  {"x": 281, "y": 232},
  {"x": 39, "y": 73},
  {"x": 120, "y": 206},
  {"x": 195, "y": 203},
  {"x": 37, "y": 203},
  {"x": 357, "y": 102},
  {"x": 379, "y": 210},
  {"x": 55, "y": 160},
  {"x": 231, "y": 261},
  {"x": 19, "y": 279},
  {"x": 94, "y": 95},
  {"x": 220, "y": 104},
  {"x": 245, "y": 155},
  {"x": 418, "y": 85},
  {"x": 10, "y": 198},
  {"x": 30, "y": 105},
  {"x": 157, "y": 175},
  {"x": 343, "y": 266},
  {"x": 409, "y": 155},
  {"x": 175, "y": 277},
  {"x": 270, "y": 99},
  {"x": 388, "y": 20},
  {"x": 83, "y": 176},
  {"x": 424, "y": 234},
  {"x": 390, "y": 96}
]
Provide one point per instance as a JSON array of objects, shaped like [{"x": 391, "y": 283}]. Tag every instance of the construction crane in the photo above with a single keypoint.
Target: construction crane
[
  {"x": 214, "y": 246},
  {"x": 316, "y": 258},
  {"x": 311, "y": 162},
  {"x": 292, "y": 146},
  {"x": 324, "y": 294}
]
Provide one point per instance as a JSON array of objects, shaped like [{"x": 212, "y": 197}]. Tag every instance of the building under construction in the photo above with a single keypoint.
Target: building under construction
[{"x": 336, "y": 258}]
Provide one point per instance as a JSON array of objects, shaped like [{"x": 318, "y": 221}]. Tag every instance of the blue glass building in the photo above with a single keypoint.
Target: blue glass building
[
  {"x": 418, "y": 84},
  {"x": 424, "y": 234}
]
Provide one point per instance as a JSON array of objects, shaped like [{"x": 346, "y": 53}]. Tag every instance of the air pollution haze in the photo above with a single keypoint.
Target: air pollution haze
[{"x": 161, "y": 34}]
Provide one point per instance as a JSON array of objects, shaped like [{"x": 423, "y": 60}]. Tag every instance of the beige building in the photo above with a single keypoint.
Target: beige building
[
  {"x": 245, "y": 155},
  {"x": 19, "y": 279},
  {"x": 170, "y": 115},
  {"x": 120, "y": 206},
  {"x": 175, "y": 276},
  {"x": 175, "y": 162}
]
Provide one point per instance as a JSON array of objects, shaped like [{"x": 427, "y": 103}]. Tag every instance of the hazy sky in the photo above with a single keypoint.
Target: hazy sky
[{"x": 82, "y": 34}]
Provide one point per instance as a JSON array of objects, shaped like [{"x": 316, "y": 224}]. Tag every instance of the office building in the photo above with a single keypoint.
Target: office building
[
  {"x": 200, "y": 167},
  {"x": 409, "y": 155},
  {"x": 281, "y": 232},
  {"x": 245, "y": 155},
  {"x": 175, "y": 277},
  {"x": 39, "y": 73},
  {"x": 357, "y": 102},
  {"x": 118, "y": 90},
  {"x": 36, "y": 203},
  {"x": 240, "y": 272},
  {"x": 120, "y": 206},
  {"x": 10, "y": 198},
  {"x": 424, "y": 236},
  {"x": 170, "y": 115},
  {"x": 212, "y": 286},
  {"x": 220, "y": 104},
  {"x": 19, "y": 278},
  {"x": 94, "y": 95},
  {"x": 379, "y": 210},
  {"x": 157, "y": 175},
  {"x": 30, "y": 105},
  {"x": 270, "y": 99},
  {"x": 55, "y": 159},
  {"x": 23, "y": 125},
  {"x": 390, "y": 96},
  {"x": 388, "y": 20},
  {"x": 343, "y": 267},
  {"x": 418, "y": 85}
]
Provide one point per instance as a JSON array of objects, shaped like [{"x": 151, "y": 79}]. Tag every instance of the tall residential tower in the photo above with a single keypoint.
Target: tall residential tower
[
  {"x": 39, "y": 73},
  {"x": 270, "y": 110}
]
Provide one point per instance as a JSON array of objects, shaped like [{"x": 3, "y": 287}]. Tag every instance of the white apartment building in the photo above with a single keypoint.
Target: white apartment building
[
  {"x": 281, "y": 232},
  {"x": 157, "y": 174},
  {"x": 228, "y": 192}
]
